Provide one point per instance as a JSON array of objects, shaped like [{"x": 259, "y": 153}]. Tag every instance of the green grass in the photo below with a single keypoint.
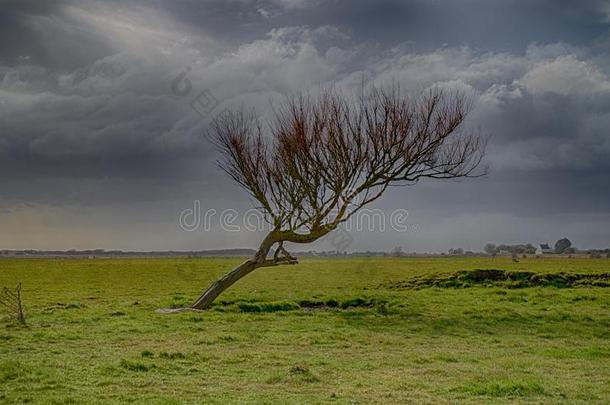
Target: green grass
[
  {"x": 505, "y": 388},
  {"x": 324, "y": 331}
]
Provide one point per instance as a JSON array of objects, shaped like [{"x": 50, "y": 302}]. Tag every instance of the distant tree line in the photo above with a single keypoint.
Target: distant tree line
[
  {"x": 461, "y": 252},
  {"x": 562, "y": 246},
  {"x": 493, "y": 249}
]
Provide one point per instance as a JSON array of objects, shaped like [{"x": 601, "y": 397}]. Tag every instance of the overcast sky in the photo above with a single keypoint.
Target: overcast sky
[{"x": 104, "y": 106}]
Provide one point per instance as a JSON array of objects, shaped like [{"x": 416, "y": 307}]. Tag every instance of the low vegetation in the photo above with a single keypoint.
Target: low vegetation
[
  {"x": 393, "y": 330},
  {"x": 507, "y": 279}
]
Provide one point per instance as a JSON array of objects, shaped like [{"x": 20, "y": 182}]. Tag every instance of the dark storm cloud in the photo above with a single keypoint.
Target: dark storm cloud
[
  {"x": 489, "y": 25},
  {"x": 88, "y": 116},
  {"x": 37, "y": 32},
  {"x": 499, "y": 25}
]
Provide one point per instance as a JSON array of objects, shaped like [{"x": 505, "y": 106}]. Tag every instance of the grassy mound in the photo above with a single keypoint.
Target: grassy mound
[{"x": 508, "y": 279}]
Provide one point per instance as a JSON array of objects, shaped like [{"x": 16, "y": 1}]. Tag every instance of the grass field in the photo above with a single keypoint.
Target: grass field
[{"x": 326, "y": 330}]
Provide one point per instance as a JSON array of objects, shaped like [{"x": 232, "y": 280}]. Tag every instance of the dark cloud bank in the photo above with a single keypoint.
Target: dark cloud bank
[{"x": 98, "y": 150}]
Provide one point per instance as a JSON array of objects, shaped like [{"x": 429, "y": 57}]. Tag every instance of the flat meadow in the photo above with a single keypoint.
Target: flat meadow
[{"x": 353, "y": 330}]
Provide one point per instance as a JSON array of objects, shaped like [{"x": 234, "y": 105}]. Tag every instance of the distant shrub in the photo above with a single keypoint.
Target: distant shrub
[
  {"x": 172, "y": 356},
  {"x": 135, "y": 366}
]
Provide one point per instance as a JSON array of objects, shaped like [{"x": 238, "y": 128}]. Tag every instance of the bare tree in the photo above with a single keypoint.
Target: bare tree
[{"x": 326, "y": 157}]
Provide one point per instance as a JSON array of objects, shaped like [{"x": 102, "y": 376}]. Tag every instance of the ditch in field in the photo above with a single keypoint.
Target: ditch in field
[{"x": 307, "y": 305}]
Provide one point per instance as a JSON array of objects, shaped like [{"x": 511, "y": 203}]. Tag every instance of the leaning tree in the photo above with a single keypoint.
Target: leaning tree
[{"x": 324, "y": 157}]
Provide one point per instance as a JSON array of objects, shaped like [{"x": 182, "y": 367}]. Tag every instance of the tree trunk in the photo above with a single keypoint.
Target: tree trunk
[
  {"x": 207, "y": 298},
  {"x": 226, "y": 281}
]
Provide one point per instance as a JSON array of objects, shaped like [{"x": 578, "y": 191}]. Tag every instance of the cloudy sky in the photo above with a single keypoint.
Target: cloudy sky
[{"x": 104, "y": 106}]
